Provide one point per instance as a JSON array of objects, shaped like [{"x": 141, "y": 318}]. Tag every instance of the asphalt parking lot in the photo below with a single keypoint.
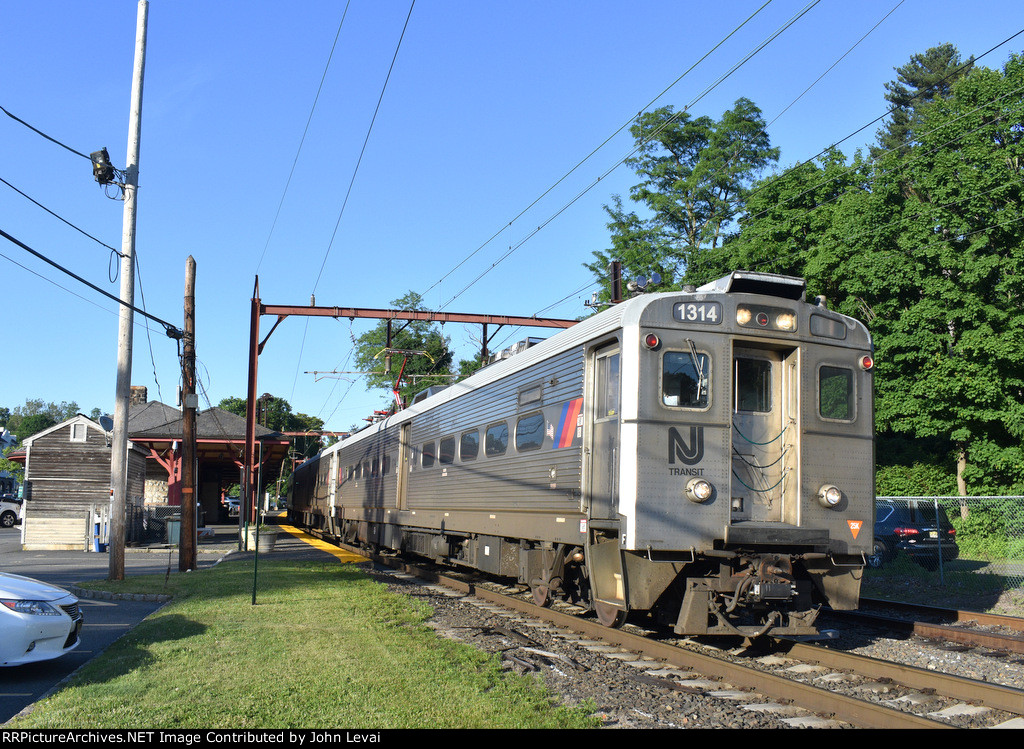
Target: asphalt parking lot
[{"x": 105, "y": 621}]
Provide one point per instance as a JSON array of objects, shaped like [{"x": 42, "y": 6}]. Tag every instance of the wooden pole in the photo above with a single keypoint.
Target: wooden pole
[{"x": 189, "y": 402}]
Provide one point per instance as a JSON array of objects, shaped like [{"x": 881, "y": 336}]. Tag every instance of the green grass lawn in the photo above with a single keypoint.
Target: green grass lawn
[{"x": 325, "y": 647}]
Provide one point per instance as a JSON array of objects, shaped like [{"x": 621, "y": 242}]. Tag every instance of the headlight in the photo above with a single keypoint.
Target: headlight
[
  {"x": 699, "y": 490},
  {"x": 786, "y": 321},
  {"x": 829, "y": 496},
  {"x": 36, "y": 608}
]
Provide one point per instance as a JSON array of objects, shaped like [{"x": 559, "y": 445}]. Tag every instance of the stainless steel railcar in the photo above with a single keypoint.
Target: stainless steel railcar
[{"x": 705, "y": 456}]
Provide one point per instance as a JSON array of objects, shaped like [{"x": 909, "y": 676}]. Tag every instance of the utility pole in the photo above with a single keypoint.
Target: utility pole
[
  {"x": 119, "y": 448},
  {"x": 189, "y": 403}
]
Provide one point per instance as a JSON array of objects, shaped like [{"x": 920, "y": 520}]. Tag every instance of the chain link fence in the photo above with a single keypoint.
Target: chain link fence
[{"x": 966, "y": 552}]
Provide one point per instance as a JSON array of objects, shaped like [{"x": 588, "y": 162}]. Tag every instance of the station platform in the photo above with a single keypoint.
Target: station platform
[{"x": 291, "y": 542}]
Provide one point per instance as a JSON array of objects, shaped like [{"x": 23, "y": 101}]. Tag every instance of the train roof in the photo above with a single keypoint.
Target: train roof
[{"x": 625, "y": 314}]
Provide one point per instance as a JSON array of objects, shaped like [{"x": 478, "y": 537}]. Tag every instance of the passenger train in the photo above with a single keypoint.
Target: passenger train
[{"x": 703, "y": 457}]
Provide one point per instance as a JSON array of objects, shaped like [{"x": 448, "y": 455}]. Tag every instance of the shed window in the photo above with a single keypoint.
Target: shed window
[{"x": 78, "y": 432}]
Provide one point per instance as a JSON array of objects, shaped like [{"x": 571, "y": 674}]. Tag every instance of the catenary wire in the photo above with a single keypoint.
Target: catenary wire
[{"x": 304, "y": 133}]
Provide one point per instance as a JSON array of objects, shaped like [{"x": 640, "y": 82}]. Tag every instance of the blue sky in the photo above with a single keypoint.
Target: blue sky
[{"x": 489, "y": 104}]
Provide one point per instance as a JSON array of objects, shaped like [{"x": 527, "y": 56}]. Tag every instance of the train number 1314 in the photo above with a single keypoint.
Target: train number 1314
[{"x": 709, "y": 313}]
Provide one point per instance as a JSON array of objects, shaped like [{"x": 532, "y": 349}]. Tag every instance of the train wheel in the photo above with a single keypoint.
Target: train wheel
[
  {"x": 608, "y": 615},
  {"x": 542, "y": 588}
]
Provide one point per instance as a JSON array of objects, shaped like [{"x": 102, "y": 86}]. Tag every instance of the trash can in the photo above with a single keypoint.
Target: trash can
[
  {"x": 174, "y": 531},
  {"x": 97, "y": 536}
]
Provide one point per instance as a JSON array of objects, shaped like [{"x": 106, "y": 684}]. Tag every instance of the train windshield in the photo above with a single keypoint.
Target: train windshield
[{"x": 684, "y": 380}]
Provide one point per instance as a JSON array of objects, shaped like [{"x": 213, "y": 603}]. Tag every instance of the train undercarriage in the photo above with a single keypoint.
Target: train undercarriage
[{"x": 747, "y": 593}]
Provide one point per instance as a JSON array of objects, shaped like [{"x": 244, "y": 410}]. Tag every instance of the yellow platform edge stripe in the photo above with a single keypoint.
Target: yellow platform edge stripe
[{"x": 343, "y": 555}]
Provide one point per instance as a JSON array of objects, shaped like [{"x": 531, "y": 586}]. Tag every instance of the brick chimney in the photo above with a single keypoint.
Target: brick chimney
[{"x": 139, "y": 395}]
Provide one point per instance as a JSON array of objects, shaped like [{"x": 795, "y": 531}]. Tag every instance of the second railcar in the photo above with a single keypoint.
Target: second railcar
[{"x": 705, "y": 456}]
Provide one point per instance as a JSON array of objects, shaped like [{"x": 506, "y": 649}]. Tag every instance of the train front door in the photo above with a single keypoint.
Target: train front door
[{"x": 764, "y": 392}]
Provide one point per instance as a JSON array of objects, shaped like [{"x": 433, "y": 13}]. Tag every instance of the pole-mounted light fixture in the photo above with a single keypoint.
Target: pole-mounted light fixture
[{"x": 102, "y": 169}]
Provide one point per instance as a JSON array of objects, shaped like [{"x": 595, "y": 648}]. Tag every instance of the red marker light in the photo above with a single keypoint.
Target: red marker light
[
  {"x": 866, "y": 362},
  {"x": 652, "y": 341}
]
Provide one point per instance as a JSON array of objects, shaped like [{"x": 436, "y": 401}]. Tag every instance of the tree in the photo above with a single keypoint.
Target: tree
[
  {"x": 795, "y": 224},
  {"x": 694, "y": 173},
  {"x": 925, "y": 244},
  {"x": 924, "y": 79},
  {"x": 37, "y": 415},
  {"x": 952, "y": 321},
  {"x": 418, "y": 352},
  {"x": 276, "y": 414}
]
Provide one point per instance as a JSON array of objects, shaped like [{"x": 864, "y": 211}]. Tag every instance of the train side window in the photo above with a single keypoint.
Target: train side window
[
  {"x": 684, "y": 379},
  {"x": 496, "y": 440},
  {"x": 385, "y": 465},
  {"x": 752, "y": 386},
  {"x": 469, "y": 445},
  {"x": 530, "y": 432},
  {"x": 427, "y": 455},
  {"x": 835, "y": 393},
  {"x": 607, "y": 388},
  {"x": 446, "y": 454}
]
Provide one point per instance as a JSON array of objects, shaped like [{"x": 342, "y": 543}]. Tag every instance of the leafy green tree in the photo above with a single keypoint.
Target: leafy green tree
[
  {"x": 924, "y": 79},
  {"x": 418, "y": 352},
  {"x": 275, "y": 413},
  {"x": 693, "y": 174},
  {"x": 925, "y": 244},
  {"x": 954, "y": 331},
  {"x": 797, "y": 223},
  {"x": 37, "y": 415}
]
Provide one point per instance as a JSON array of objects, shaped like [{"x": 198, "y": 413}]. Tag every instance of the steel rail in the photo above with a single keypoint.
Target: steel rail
[
  {"x": 946, "y": 632},
  {"x": 996, "y": 696},
  {"x": 951, "y": 615},
  {"x": 814, "y": 699}
]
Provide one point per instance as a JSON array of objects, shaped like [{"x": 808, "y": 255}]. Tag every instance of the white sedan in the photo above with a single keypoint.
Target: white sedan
[{"x": 37, "y": 621}]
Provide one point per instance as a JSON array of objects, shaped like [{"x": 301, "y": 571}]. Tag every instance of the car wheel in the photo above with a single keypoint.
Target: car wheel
[
  {"x": 879, "y": 555},
  {"x": 8, "y": 519}
]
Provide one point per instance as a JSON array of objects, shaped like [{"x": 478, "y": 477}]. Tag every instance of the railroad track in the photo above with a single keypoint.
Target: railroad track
[
  {"x": 999, "y": 642},
  {"x": 904, "y": 684}
]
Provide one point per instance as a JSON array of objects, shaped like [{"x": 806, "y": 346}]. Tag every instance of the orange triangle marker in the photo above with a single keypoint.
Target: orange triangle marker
[{"x": 855, "y": 526}]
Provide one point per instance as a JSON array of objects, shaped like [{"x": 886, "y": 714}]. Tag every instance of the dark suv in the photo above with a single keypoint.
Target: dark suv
[{"x": 911, "y": 526}]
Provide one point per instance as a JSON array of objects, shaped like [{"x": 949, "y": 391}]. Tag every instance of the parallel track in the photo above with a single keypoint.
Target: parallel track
[{"x": 822, "y": 702}]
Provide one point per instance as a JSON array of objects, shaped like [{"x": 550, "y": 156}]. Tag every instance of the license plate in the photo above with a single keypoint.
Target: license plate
[{"x": 933, "y": 534}]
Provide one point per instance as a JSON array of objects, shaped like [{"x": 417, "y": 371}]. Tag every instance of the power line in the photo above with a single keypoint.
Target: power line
[
  {"x": 171, "y": 330},
  {"x": 721, "y": 79},
  {"x": 61, "y": 218},
  {"x": 366, "y": 140},
  {"x": 48, "y": 137},
  {"x": 304, "y": 132},
  {"x": 598, "y": 148},
  {"x": 351, "y": 183}
]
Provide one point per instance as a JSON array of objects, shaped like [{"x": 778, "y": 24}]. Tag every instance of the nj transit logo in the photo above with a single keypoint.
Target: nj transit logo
[{"x": 688, "y": 454}]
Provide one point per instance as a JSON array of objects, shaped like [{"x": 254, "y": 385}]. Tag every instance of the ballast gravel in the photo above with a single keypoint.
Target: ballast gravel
[
  {"x": 622, "y": 697},
  {"x": 625, "y": 697}
]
